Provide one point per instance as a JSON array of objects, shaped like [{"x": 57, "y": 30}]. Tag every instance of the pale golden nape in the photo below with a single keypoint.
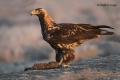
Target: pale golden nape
[{"x": 47, "y": 19}]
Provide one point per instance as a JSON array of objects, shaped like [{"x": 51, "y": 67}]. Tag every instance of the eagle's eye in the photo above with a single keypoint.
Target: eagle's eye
[{"x": 37, "y": 11}]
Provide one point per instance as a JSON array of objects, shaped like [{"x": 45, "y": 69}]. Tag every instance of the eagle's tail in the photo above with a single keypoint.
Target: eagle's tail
[
  {"x": 104, "y": 32},
  {"x": 103, "y": 26}
]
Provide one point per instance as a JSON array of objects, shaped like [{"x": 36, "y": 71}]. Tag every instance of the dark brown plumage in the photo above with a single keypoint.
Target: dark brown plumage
[{"x": 64, "y": 37}]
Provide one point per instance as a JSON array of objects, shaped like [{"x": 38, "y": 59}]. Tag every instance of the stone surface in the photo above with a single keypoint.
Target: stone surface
[{"x": 97, "y": 68}]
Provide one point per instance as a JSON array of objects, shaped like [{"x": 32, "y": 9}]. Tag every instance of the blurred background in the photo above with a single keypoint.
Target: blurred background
[{"x": 21, "y": 43}]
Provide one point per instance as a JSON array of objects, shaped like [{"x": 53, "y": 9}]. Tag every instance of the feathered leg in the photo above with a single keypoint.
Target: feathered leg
[{"x": 64, "y": 56}]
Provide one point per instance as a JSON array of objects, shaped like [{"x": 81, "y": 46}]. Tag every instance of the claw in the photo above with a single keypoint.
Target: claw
[
  {"x": 65, "y": 66},
  {"x": 61, "y": 61},
  {"x": 64, "y": 57}
]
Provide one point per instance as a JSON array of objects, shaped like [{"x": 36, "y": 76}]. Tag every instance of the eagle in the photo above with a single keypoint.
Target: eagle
[{"x": 64, "y": 37}]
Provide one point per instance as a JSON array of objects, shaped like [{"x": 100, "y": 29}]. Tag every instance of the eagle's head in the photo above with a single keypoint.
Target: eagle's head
[{"x": 38, "y": 11}]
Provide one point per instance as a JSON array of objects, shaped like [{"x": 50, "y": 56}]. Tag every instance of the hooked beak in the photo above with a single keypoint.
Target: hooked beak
[{"x": 31, "y": 14}]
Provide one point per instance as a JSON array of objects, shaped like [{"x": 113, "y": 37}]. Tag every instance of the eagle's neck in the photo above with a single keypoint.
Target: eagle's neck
[{"x": 46, "y": 23}]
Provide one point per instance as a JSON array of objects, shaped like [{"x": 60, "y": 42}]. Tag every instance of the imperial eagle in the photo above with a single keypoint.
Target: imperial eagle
[{"x": 64, "y": 37}]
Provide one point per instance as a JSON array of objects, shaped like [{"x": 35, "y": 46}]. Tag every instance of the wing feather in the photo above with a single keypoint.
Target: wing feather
[{"x": 69, "y": 33}]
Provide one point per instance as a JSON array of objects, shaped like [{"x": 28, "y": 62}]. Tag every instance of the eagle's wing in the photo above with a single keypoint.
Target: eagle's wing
[{"x": 69, "y": 33}]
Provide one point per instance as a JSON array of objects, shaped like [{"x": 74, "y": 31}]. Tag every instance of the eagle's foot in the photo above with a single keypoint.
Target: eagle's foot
[
  {"x": 61, "y": 61},
  {"x": 62, "y": 64},
  {"x": 65, "y": 65}
]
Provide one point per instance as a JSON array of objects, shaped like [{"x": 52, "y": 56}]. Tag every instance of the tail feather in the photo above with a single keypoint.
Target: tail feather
[
  {"x": 105, "y": 32},
  {"x": 103, "y": 26}
]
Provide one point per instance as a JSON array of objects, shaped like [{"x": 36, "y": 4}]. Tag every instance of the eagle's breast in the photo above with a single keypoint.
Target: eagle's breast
[{"x": 68, "y": 46}]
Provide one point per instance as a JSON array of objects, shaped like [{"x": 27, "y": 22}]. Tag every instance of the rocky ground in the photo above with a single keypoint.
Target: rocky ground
[{"x": 97, "y": 68}]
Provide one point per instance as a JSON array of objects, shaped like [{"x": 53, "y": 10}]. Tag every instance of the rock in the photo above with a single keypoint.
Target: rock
[{"x": 42, "y": 66}]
